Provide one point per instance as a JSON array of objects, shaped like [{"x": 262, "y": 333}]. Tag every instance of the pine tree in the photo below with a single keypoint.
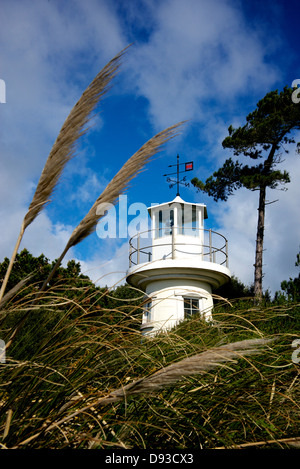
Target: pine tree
[{"x": 267, "y": 130}]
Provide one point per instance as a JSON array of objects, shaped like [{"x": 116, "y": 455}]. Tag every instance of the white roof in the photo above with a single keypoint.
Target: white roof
[{"x": 178, "y": 199}]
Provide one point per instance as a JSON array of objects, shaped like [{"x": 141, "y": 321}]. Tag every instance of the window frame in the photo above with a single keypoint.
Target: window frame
[
  {"x": 193, "y": 308},
  {"x": 147, "y": 313},
  {"x": 164, "y": 223}
]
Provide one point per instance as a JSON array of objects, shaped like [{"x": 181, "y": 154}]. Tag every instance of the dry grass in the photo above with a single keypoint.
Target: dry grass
[
  {"x": 91, "y": 382},
  {"x": 121, "y": 181},
  {"x": 64, "y": 148}
]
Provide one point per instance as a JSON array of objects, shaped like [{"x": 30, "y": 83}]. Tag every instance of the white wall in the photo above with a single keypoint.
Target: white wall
[{"x": 167, "y": 302}]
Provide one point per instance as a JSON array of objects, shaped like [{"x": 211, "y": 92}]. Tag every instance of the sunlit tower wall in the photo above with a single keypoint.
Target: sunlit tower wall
[{"x": 177, "y": 264}]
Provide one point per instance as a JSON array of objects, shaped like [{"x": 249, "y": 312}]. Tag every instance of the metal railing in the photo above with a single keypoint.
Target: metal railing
[{"x": 207, "y": 249}]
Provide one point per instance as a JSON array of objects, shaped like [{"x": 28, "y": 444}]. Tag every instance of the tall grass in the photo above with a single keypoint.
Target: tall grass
[{"x": 74, "y": 390}]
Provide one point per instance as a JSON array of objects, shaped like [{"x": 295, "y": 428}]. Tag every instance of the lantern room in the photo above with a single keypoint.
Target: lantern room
[{"x": 177, "y": 229}]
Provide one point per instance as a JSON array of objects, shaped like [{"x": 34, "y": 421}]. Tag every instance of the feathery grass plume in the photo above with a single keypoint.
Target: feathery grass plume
[
  {"x": 13, "y": 291},
  {"x": 171, "y": 374},
  {"x": 195, "y": 364},
  {"x": 72, "y": 358},
  {"x": 64, "y": 147},
  {"x": 117, "y": 186}
]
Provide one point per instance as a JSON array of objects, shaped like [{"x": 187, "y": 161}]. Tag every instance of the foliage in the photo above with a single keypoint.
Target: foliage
[
  {"x": 267, "y": 130},
  {"x": 234, "y": 289},
  {"x": 25, "y": 263},
  {"x": 71, "y": 288},
  {"x": 291, "y": 287},
  {"x": 50, "y": 397},
  {"x": 72, "y": 346}
]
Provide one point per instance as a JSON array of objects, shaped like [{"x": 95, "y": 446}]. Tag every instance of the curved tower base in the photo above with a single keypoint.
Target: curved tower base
[{"x": 176, "y": 290}]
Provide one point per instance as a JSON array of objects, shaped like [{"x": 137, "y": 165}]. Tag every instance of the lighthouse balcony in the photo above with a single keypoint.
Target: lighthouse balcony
[{"x": 191, "y": 244}]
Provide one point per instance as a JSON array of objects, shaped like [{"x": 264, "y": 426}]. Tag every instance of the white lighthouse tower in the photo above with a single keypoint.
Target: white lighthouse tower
[{"x": 177, "y": 264}]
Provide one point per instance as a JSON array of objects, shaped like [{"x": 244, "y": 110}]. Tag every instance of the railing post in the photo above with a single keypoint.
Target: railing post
[
  {"x": 226, "y": 253},
  {"x": 130, "y": 253},
  {"x": 138, "y": 248},
  {"x": 173, "y": 242},
  {"x": 210, "y": 246}
]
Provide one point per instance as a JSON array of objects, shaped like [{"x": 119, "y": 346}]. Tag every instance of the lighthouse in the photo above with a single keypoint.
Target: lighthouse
[{"x": 177, "y": 263}]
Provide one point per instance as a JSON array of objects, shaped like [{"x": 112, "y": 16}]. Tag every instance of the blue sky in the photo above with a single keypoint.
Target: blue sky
[{"x": 208, "y": 61}]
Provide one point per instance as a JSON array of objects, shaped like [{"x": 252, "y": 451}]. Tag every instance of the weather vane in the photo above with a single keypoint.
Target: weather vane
[{"x": 189, "y": 166}]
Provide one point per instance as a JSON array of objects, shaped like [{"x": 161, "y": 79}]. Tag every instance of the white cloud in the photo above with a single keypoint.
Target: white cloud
[
  {"x": 237, "y": 220},
  {"x": 283, "y": 229},
  {"x": 200, "y": 51},
  {"x": 44, "y": 236},
  {"x": 108, "y": 267},
  {"x": 45, "y": 45}
]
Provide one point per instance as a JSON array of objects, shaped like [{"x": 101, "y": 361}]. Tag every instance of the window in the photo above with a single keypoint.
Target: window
[
  {"x": 169, "y": 223},
  {"x": 159, "y": 223},
  {"x": 164, "y": 223},
  {"x": 187, "y": 221},
  {"x": 191, "y": 306},
  {"x": 147, "y": 312}
]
